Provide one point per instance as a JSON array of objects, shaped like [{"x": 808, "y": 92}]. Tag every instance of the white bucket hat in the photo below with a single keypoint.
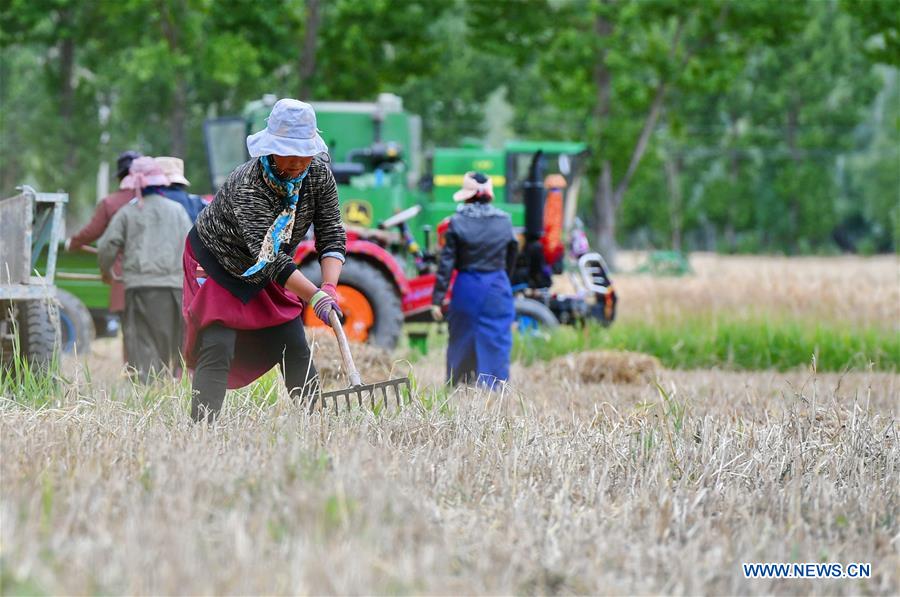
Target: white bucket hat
[{"x": 290, "y": 131}]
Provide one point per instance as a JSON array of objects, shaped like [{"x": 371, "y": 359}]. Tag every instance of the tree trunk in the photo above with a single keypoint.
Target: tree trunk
[
  {"x": 676, "y": 214},
  {"x": 178, "y": 120},
  {"x": 307, "y": 63},
  {"x": 730, "y": 236},
  {"x": 66, "y": 87},
  {"x": 179, "y": 117},
  {"x": 793, "y": 201},
  {"x": 67, "y": 94},
  {"x": 607, "y": 199},
  {"x": 604, "y": 201},
  {"x": 734, "y": 172},
  {"x": 605, "y": 206}
]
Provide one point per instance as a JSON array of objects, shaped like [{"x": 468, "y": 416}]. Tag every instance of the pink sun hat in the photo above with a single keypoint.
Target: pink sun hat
[{"x": 144, "y": 172}]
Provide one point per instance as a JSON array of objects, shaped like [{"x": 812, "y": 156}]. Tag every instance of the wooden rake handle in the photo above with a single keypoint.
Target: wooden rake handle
[{"x": 344, "y": 346}]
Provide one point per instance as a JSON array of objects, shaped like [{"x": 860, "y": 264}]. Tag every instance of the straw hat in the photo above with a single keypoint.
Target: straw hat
[
  {"x": 173, "y": 168},
  {"x": 290, "y": 131},
  {"x": 474, "y": 183}
]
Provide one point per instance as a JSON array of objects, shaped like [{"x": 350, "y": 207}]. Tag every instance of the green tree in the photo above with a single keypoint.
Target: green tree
[
  {"x": 155, "y": 69},
  {"x": 792, "y": 114},
  {"x": 872, "y": 183},
  {"x": 49, "y": 91},
  {"x": 880, "y": 21},
  {"x": 451, "y": 99},
  {"x": 612, "y": 66}
]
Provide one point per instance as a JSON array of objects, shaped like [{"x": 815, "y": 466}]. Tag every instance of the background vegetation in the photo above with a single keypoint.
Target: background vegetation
[{"x": 737, "y": 126}]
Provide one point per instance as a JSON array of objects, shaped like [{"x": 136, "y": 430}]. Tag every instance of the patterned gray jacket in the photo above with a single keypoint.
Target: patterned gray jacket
[{"x": 234, "y": 225}]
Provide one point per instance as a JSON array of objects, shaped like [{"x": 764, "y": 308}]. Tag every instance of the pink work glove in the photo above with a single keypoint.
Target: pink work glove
[
  {"x": 322, "y": 304},
  {"x": 331, "y": 290}
]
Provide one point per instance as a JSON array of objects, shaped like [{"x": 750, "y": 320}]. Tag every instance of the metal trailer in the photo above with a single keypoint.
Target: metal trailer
[{"x": 30, "y": 222}]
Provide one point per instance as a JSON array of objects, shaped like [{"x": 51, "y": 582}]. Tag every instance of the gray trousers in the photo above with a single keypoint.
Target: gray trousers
[{"x": 152, "y": 327}]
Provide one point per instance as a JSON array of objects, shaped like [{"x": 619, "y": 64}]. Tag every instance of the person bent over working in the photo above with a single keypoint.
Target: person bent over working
[{"x": 243, "y": 294}]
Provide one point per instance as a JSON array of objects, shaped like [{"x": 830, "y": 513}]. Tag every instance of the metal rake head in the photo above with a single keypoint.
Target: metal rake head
[{"x": 376, "y": 395}]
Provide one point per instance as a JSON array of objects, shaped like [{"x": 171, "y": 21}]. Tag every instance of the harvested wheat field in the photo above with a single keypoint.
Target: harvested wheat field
[
  {"x": 596, "y": 473},
  {"x": 855, "y": 290}
]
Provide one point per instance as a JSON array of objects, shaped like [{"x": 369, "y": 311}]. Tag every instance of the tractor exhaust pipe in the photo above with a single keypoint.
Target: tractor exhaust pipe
[{"x": 533, "y": 197}]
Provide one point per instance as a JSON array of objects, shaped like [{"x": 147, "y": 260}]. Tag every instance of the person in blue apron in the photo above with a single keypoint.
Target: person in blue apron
[{"x": 480, "y": 245}]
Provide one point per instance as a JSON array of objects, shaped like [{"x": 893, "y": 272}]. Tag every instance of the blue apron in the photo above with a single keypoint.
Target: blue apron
[{"x": 480, "y": 319}]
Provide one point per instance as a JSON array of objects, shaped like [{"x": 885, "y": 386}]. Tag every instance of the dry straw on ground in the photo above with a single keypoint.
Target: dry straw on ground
[
  {"x": 616, "y": 366},
  {"x": 546, "y": 487},
  {"x": 556, "y": 484},
  {"x": 851, "y": 290}
]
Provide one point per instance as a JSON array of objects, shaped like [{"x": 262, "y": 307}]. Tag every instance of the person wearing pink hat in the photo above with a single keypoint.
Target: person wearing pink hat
[
  {"x": 149, "y": 234},
  {"x": 480, "y": 245},
  {"x": 94, "y": 229}
]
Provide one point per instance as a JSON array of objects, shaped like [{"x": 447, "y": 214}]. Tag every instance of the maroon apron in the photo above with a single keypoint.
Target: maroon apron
[{"x": 205, "y": 303}]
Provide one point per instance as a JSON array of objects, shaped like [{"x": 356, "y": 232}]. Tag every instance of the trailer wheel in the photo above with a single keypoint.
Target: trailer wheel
[
  {"x": 373, "y": 311},
  {"x": 533, "y": 317},
  {"x": 38, "y": 324},
  {"x": 76, "y": 326}
]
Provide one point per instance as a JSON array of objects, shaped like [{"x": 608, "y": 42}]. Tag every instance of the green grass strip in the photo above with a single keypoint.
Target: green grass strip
[{"x": 729, "y": 343}]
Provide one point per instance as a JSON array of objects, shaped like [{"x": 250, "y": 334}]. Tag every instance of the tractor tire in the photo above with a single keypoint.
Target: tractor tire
[
  {"x": 76, "y": 326},
  {"x": 375, "y": 288},
  {"x": 38, "y": 324},
  {"x": 534, "y": 316}
]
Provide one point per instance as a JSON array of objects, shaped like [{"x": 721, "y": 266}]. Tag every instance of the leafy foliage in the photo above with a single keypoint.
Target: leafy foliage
[{"x": 740, "y": 126}]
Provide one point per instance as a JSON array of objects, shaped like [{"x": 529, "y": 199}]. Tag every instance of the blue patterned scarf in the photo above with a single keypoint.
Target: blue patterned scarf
[{"x": 281, "y": 229}]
